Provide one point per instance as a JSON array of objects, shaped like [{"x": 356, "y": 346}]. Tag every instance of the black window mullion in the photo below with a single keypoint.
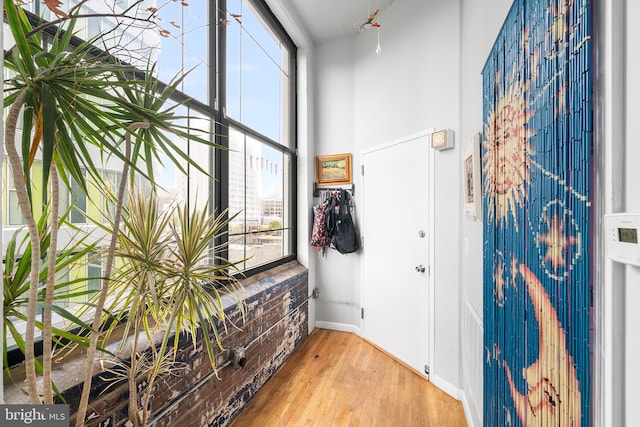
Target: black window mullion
[
  {"x": 218, "y": 98},
  {"x": 221, "y": 184},
  {"x": 257, "y": 135},
  {"x": 215, "y": 42}
]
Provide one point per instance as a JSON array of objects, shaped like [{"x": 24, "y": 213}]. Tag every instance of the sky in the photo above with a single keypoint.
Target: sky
[{"x": 254, "y": 77}]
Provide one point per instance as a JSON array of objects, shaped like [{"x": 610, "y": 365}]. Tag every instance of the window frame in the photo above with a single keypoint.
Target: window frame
[
  {"x": 214, "y": 110},
  {"x": 221, "y": 158}
]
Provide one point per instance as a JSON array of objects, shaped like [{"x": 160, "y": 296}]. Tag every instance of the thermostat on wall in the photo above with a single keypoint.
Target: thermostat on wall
[{"x": 621, "y": 236}]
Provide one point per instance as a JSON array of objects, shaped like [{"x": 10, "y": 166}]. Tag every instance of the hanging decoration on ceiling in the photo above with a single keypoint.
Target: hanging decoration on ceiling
[{"x": 369, "y": 24}]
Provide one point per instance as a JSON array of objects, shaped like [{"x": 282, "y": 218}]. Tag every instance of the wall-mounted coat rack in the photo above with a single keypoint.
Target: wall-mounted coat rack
[{"x": 317, "y": 189}]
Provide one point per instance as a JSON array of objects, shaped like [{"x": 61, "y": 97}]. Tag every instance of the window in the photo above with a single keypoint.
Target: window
[
  {"x": 257, "y": 74},
  {"x": 74, "y": 200},
  {"x": 112, "y": 182},
  {"x": 257, "y": 189},
  {"x": 238, "y": 70},
  {"x": 185, "y": 48},
  {"x": 259, "y": 87},
  {"x": 63, "y": 292},
  {"x": 14, "y": 215},
  {"x": 94, "y": 272}
]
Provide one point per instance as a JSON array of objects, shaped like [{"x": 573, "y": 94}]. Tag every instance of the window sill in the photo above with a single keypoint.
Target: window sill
[{"x": 68, "y": 371}]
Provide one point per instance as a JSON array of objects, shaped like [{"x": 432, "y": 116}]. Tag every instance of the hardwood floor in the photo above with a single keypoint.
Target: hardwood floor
[{"x": 338, "y": 379}]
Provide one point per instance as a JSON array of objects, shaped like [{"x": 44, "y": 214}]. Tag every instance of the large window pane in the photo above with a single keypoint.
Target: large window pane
[
  {"x": 200, "y": 177},
  {"x": 180, "y": 182},
  {"x": 132, "y": 40},
  {"x": 177, "y": 38},
  {"x": 257, "y": 74},
  {"x": 184, "y": 46},
  {"x": 256, "y": 196}
]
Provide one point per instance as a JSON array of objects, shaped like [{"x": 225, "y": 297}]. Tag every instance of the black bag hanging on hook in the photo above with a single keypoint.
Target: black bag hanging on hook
[{"x": 345, "y": 239}]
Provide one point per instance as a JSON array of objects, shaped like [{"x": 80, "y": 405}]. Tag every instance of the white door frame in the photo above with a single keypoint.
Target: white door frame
[{"x": 431, "y": 303}]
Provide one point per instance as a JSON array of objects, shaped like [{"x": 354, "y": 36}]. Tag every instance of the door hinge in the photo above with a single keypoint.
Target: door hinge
[
  {"x": 362, "y": 313},
  {"x": 362, "y": 170},
  {"x": 426, "y": 369}
]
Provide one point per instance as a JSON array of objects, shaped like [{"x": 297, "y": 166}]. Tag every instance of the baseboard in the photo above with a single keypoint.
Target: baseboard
[
  {"x": 467, "y": 410},
  {"x": 342, "y": 327},
  {"x": 445, "y": 386}
]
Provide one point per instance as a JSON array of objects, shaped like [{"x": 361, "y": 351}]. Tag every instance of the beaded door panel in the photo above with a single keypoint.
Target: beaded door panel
[{"x": 537, "y": 181}]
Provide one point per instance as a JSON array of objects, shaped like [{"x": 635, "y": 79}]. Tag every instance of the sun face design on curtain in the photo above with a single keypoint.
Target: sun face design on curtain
[
  {"x": 536, "y": 165},
  {"x": 507, "y": 151}
]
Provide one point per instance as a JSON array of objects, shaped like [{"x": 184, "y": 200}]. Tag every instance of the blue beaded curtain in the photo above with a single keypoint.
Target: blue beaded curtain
[{"x": 537, "y": 181}]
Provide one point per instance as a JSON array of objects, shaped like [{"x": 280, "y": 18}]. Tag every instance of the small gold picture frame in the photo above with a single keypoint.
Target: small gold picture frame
[{"x": 334, "y": 169}]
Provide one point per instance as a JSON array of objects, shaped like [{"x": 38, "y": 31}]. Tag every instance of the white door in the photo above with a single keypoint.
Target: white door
[{"x": 395, "y": 260}]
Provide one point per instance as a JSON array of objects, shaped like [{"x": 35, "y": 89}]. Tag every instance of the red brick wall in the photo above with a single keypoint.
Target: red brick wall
[{"x": 276, "y": 324}]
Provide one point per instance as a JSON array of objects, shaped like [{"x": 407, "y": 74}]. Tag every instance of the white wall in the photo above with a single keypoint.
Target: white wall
[
  {"x": 481, "y": 22},
  {"x": 334, "y": 120},
  {"x": 632, "y": 204},
  {"x": 364, "y": 100},
  {"x": 290, "y": 19}
]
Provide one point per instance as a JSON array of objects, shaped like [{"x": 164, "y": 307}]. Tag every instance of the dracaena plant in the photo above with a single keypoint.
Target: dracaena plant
[
  {"x": 46, "y": 89},
  {"x": 68, "y": 100},
  {"x": 164, "y": 280}
]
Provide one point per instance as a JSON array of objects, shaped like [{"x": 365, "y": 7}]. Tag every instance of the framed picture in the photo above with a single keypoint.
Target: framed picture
[
  {"x": 334, "y": 169},
  {"x": 471, "y": 178}
]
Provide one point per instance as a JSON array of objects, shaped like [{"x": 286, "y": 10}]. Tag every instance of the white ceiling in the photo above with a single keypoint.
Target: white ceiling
[{"x": 327, "y": 20}]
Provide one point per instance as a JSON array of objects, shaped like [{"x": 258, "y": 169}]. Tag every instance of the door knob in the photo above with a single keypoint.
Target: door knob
[{"x": 420, "y": 268}]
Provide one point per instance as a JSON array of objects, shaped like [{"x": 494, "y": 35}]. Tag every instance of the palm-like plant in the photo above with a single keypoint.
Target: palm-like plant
[
  {"x": 165, "y": 283},
  {"x": 50, "y": 88},
  {"x": 71, "y": 101},
  {"x": 143, "y": 109}
]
